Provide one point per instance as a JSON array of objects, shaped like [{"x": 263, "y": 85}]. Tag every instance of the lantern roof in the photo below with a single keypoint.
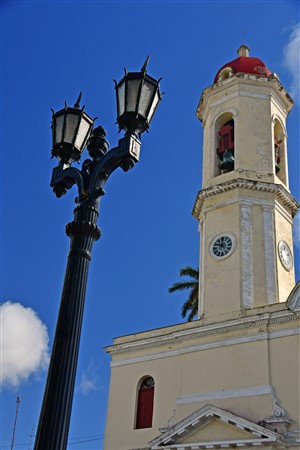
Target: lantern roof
[{"x": 245, "y": 64}]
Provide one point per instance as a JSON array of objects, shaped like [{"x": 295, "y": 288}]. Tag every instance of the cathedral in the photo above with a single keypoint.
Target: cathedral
[{"x": 231, "y": 378}]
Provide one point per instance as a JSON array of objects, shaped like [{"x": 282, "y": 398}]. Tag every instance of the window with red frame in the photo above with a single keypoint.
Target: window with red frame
[{"x": 145, "y": 403}]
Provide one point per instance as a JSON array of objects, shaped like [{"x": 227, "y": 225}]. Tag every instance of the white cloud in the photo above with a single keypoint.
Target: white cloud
[
  {"x": 90, "y": 380},
  {"x": 296, "y": 230},
  {"x": 24, "y": 344},
  {"x": 291, "y": 59}
]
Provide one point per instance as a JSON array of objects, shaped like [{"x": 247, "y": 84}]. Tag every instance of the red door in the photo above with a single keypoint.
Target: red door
[{"x": 145, "y": 407}]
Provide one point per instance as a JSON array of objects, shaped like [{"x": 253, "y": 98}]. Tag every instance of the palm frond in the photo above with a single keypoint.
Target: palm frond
[
  {"x": 183, "y": 285},
  {"x": 190, "y": 272},
  {"x": 191, "y": 304},
  {"x": 193, "y": 313}
]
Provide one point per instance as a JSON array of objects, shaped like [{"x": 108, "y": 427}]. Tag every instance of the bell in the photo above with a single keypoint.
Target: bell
[
  {"x": 227, "y": 164},
  {"x": 277, "y": 158}
]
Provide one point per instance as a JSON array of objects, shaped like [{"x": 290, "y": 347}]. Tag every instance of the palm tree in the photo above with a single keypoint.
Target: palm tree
[{"x": 191, "y": 304}]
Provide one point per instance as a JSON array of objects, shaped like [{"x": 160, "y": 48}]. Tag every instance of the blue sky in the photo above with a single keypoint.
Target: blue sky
[{"x": 50, "y": 52}]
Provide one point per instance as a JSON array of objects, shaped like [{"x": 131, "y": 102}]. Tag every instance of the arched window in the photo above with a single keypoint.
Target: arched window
[
  {"x": 225, "y": 73},
  {"x": 145, "y": 401}
]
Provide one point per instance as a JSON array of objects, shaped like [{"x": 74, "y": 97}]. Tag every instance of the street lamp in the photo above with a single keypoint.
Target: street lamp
[{"x": 138, "y": 96}]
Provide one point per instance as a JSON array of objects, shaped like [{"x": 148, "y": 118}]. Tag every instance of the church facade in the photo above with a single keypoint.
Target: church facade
[{"x": 231, "y": 378}]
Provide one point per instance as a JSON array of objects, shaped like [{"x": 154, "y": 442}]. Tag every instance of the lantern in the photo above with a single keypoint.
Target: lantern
[
  {"x": 71, "y": 128},
  {"x": 138, "y": 96}
]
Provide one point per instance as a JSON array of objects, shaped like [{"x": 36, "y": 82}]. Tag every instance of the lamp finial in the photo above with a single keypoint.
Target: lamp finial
[
  {"x": 144, "y": 68},
  {"x": 77, "y": 104}
]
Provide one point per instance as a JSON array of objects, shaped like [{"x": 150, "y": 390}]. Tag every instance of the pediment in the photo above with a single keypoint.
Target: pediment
[{"x": 212, "y": 427}]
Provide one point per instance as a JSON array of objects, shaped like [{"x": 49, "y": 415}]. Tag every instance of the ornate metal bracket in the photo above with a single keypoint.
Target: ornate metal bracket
[{"x": 95, "y": 172}]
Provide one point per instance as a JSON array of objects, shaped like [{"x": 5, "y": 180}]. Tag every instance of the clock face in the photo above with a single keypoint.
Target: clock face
[
  {"x": 222, "y": 246},
  {"x": 285, "y": 255}
]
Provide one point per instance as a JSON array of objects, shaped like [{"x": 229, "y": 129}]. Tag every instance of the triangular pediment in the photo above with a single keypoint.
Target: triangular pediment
[{"x": 212, "y": 427}]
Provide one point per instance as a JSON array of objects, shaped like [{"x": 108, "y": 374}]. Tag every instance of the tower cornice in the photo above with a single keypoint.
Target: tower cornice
[
  {"x": 271, "y": 81},
  {"x": 285, "y": 197}
]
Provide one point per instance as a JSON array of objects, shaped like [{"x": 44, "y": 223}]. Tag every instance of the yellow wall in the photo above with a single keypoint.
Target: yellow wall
[{"x": 211, "y": 358}]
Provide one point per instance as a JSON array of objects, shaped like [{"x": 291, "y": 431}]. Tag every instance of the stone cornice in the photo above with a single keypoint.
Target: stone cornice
[
  {"x": 201, "y": 330},
  {"x": 271, "y": 81},
  {"x": 286, "y": 198}
]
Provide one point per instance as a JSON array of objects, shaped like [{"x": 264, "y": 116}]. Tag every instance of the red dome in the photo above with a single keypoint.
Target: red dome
[{"x": 246, "y": 64}]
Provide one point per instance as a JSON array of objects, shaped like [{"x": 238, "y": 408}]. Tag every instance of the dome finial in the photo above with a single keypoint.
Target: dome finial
[{"x": 243, "y": 50}]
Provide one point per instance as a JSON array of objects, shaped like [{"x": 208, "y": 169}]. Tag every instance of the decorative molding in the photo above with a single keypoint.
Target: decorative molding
[
  {"x": 202, "y": 272},
  {"x": 229, "y": 393},
  {"x": 283, "y": 212},
  {"x": 192, "y": 330},
  {"x": 283, "y": 99},
  {"x": 231, "y": 110},
  {"x": 286, "y": 198},
  {"x": 278, "y": 313},
  {"x": 230, "y": 96},
  {"x": 246, "y": 256},
  {"x": 270, "y": 262},
  {"x": 196, "y": 348},
  {"x": 283, "y": 124},
  {"x": 171, "y": 422},
  {"x": 173, "y": 438},
  {"x": 253, "y": 201},
  {"x": 278, "y": 413}
]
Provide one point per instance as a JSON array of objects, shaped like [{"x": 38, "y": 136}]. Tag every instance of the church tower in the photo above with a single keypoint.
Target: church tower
[
  {"x": 231, "y": 378},
  {"x": 245, "y": 208}
]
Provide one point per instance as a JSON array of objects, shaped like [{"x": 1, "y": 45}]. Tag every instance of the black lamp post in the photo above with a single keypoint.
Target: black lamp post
[{"x": 138, "y": 95}]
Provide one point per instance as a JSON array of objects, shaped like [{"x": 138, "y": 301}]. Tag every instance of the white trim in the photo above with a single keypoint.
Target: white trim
[
  {"x": 218, "y": 344},
  {"x": 238, "y": 199},
  {"x": 277, "y": 116},
  {"x": 278, "y": 94},
  {"x": 215, "y": 444},
  {"x": 279, "y": 190},
  {"x": 251, "y": 201},
  {"x": 202, "y": 270},
  {"x": 169, "y": 335},
  {"x": 246, "y": 256},
  {"x": 278, "y": 103},
  {"x": 220, "y": 395},
  {"x": 239, "y": 93},
  {"x": 270, "y": 262},
  {"x": 283, "y": 212},
  {"x": 169, "y": 438}
]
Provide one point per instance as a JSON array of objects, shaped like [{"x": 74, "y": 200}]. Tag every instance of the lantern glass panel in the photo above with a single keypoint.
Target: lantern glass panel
[
  {"x": 154, "y": 105},
  {"x": 146, "y": 96},
  {"x": 72, "y": 121},
  {"x": 121, "y": 98},
  {"x": 133, "y": 87},
  {"x": 58, "y": 123},
  {"x": 83, "y": 133}
]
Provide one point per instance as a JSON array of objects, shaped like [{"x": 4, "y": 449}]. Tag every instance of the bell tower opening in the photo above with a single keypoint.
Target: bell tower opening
[
  {"x": 280, "y": 156},
  {"x": 224, "y": 137}
]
